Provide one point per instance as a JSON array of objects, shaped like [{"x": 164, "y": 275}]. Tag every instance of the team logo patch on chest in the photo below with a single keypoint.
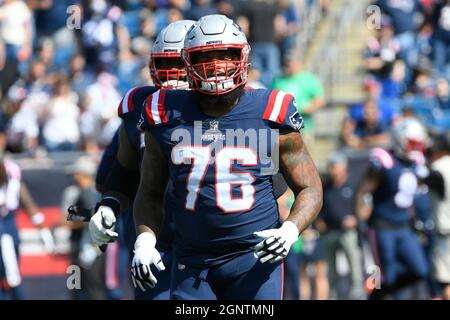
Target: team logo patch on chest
[{"x": 213, "y": 133}]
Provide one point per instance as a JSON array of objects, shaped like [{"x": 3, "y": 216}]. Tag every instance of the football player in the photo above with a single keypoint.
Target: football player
[
  {"x": 392, "y": 180},
  {"x": 13, "y": 193},
  {"x": 214, "y": 143},
  {"x": 118, "y": 175}
]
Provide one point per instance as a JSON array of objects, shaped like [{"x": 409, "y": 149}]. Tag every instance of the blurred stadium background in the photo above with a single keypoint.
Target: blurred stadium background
[{"x": 64, "y": 68}]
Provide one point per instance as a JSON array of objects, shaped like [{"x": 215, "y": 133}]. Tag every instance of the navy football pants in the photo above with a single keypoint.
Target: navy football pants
[
  {"x": 400, "y": 253},
  {"x": 241, "y": 278}
]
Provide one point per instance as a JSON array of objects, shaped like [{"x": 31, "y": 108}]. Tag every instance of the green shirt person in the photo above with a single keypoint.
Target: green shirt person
[{"x": 306, "y": 89}]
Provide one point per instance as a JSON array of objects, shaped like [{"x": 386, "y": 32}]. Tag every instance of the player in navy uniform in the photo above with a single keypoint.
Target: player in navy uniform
[
  {"x": 14, "y": 193},
  {"x": 122, "y": 158},
  {"x": 393, "y": 180},
  {"x": 219, "y": 145}
]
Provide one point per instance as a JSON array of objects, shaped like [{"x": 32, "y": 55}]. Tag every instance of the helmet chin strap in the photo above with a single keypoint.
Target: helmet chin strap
[{"x": 223, "y": 84}]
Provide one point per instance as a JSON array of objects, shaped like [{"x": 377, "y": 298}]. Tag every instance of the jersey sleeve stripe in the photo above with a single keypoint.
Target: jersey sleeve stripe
[
  {"x": 148, "y": 110},
  {"x": 154, "y": 108},
  {"x": 161, "y": 110},
  {"x": 277, "y": 106},
  {"x": 120, "y": 111},
  {"x": 130, "y": 99},
  {"x": 284, "y": 107},
  {"x": 126, "y": 105},
  {"x": 270, "y": 104}
]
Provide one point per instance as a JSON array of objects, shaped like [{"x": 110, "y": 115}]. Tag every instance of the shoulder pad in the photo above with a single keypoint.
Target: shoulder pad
[
  {"x": 155, "y": 109},
  {"x": 127, "y": 104},
  {"x": 277, "y": 106},
  {"x": 381, "y": 158}
]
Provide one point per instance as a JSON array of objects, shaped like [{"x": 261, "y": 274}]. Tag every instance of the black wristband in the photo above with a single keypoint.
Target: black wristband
[{"x": 112, "y": 203}]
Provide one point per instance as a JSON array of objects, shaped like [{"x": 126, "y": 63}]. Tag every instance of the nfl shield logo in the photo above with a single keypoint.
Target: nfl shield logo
[{"x": 214, "y": 125}]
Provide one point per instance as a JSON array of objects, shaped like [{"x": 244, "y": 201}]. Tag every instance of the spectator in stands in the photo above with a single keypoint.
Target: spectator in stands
[
  {"x": 338, "y": 226},
  {"x": 424, "y": 84},
  {"x": 290, "y": 25},
  {"x": 61, "y": 130},
  {"x": 23, "y": 127},
  {"x": 443, "y": 94},
  {"x": 80, "y": 78},
  {"x": 9, "y": 72},
  {"x": 227, "y": 8},
  {"x": 405, "y": 16},
  {"x": 103, "y": 35},
  {"x": 393, "y": 85},
  {"x": 83, "y": 252},
  {"x": 306, "y": 89},
  {"x": 367, "y": 132},
  {"x": 258, "y": 18},
  {"x": 164, "y": 15},
  {"x": 99, "y": 118},
  {"x": 16, "y": 30},
  {"x": 441, "y": 37},
  {"x": 381, "y": 50},
  {"x": 424, "y": 40},
  {"x": 46, "y": 54},
  {"x": 388, "y": 108},
  {"x": 200, "y": 8}
]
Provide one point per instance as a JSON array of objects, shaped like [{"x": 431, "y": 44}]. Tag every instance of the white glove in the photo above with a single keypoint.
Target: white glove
[
  {"x": 38, "y": 219},
  {"x": 276, "y": 243},
  {"x": 145, "y": 255},
  {"x": 101, "y": 226}
]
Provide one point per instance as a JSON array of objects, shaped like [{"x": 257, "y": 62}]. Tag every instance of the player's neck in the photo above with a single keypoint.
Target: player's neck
[
  {"x": 217, "y": 106},
  {"x": 217, "y": 110}
]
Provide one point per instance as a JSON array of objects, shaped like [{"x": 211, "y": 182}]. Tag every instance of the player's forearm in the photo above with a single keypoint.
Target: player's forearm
[
  {"x": 123, "y": 179},
  {"x": 148, "y": 211},
  {"x": 27, "y": 201},
  {"x": 121, "y": 184},
  {"x": 302, "y": 177},
  {"x": 148, "y": 206},
  {"x": 306, "y": 207}
]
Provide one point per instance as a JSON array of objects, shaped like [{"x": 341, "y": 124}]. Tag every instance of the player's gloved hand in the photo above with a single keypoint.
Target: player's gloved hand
[
  {"x": 276, "y": 243},
  {"x": 101, "y": 226},
  {"x": 38, "y": 219},
  {"x": 145, "y": 255}
]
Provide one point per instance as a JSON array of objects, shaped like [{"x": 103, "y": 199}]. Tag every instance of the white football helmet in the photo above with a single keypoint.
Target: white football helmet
[
  {"x": 166, "y": 67},
  {"x": 409, "y": 138},
  {"x": 215, "y": 33}
]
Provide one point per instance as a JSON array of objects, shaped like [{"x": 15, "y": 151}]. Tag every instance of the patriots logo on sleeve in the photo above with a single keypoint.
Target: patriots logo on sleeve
[{"x": 296, "y": 120}]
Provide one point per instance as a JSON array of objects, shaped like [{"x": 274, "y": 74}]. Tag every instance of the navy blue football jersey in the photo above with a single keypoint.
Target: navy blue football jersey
[
  {"x": 130, "y": 109},
  {"x": 221, "y": 168},
  {"x": 394, "y": 197}
]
